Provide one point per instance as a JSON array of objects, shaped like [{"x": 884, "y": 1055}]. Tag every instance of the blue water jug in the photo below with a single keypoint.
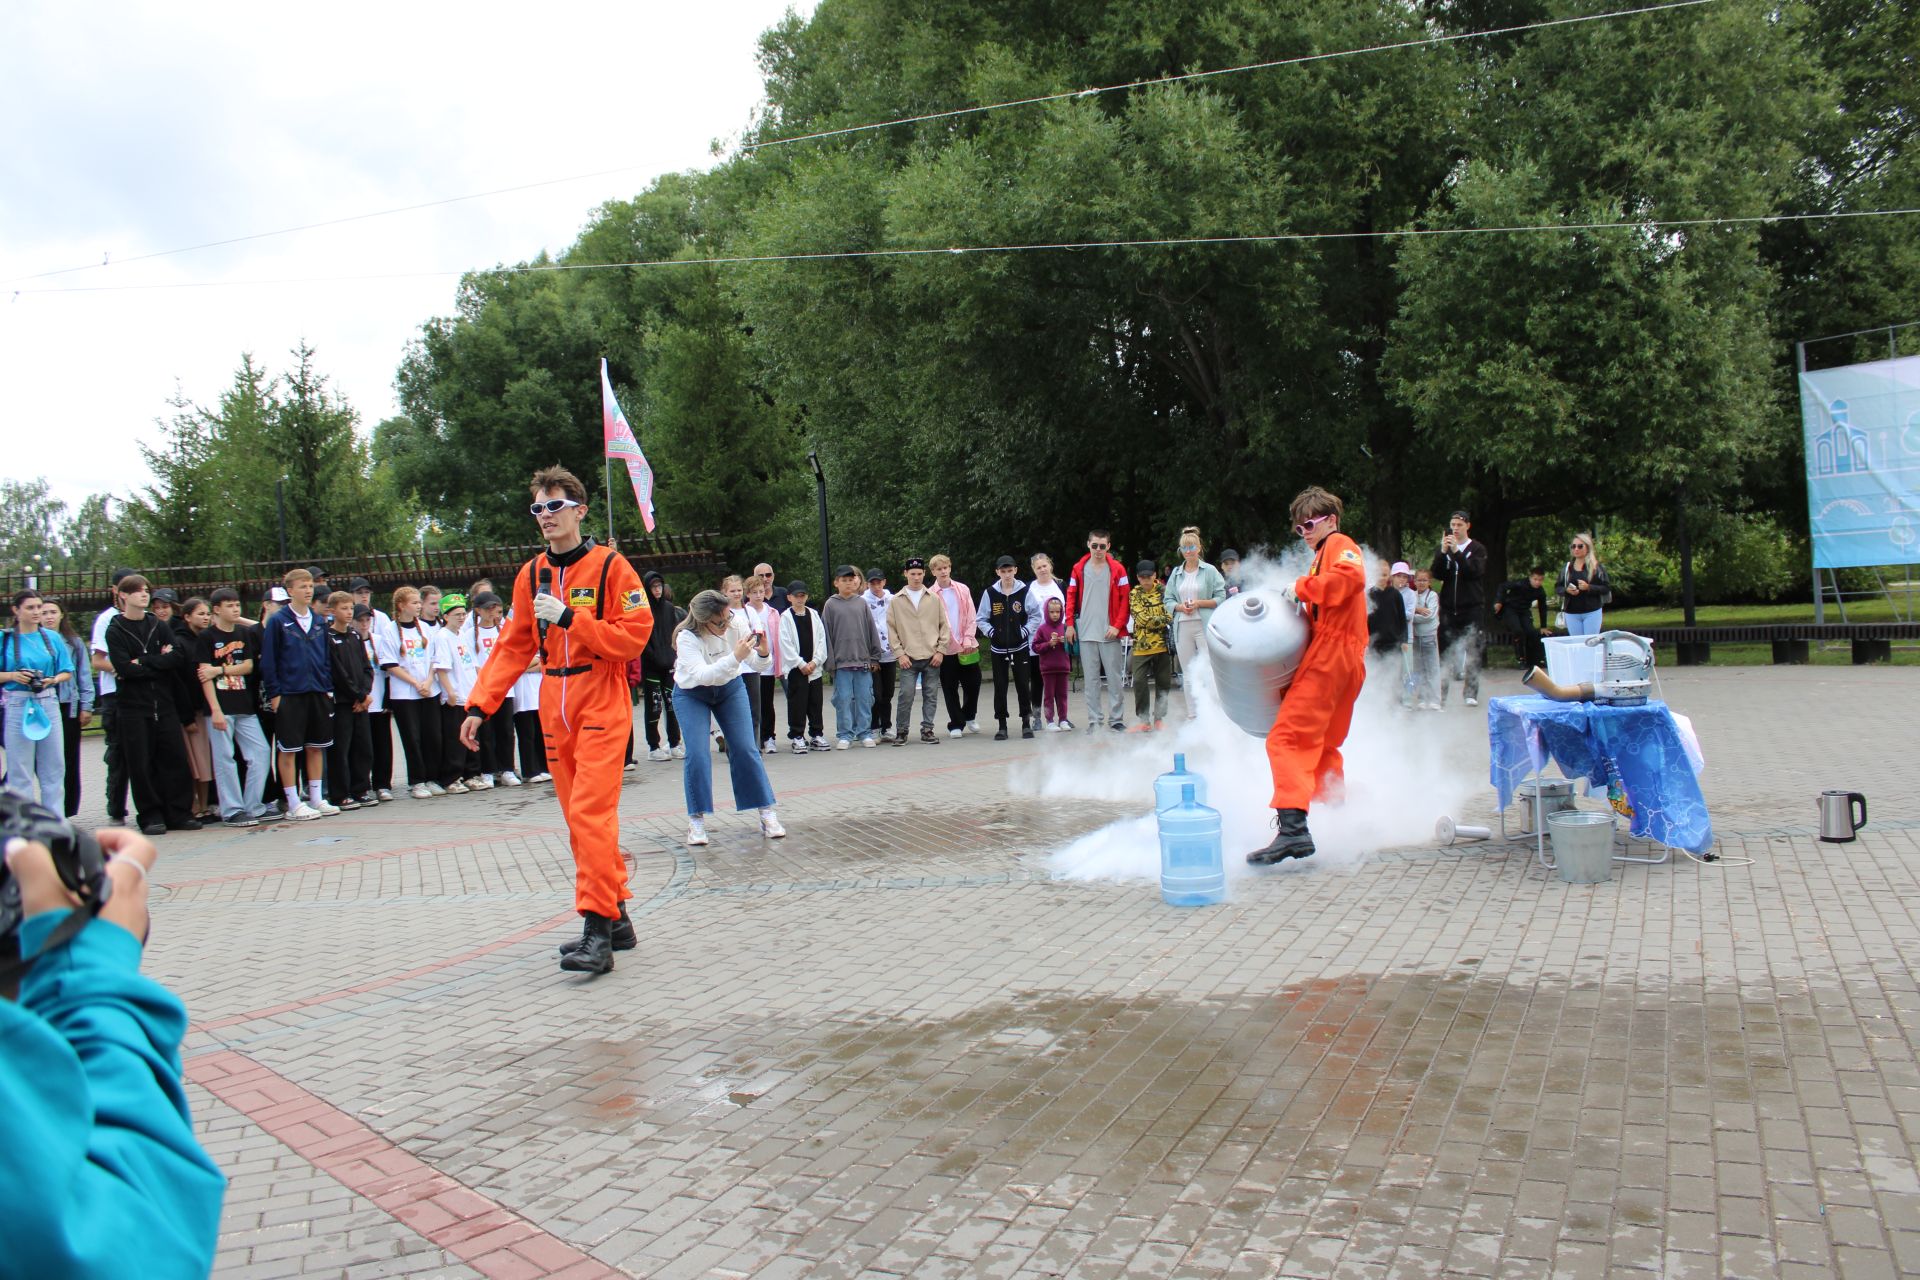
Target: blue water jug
[
  {"x": 1166, "y": 787},
  {"x": 1191, "y": 871}
]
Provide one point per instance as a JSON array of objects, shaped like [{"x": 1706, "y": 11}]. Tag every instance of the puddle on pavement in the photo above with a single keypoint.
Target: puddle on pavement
[{"x": 1354, "y": 1100}]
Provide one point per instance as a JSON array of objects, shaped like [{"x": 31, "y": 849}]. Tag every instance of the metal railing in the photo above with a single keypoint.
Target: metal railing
[{"x": 85, "y": 590}]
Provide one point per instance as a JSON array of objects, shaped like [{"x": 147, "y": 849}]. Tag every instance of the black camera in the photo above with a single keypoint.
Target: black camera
[
  {"x": 76, "y": 856},
  {"x": 36, "y": 682}
]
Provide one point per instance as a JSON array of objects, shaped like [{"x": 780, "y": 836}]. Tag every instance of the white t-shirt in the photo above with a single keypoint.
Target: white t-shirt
[
  {"x": 377, "y": 700},
  {"x": 463, "y": 662},
  {"x": 411, "y": 652},
  {"x": 443, "y": 656},
  {"x": 103, "y": 681}
]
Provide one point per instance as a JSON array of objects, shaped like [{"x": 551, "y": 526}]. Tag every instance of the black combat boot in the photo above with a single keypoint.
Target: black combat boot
[
  {"x": 595, "y": 952},
  {"x": 1290, "y": 839},
  {"x": 624, "y": 938}
]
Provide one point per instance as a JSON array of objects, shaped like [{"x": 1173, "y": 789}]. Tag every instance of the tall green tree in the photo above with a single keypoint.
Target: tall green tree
[{"x": 31, "y": 519}]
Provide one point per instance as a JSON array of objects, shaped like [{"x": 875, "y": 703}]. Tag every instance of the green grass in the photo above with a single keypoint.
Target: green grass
[
  {"x": 1758, "y": 615},
  {"x": 1755, "y": 615}
]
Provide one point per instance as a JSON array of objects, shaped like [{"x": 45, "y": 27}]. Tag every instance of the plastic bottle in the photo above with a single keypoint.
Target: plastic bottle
[
  {"x": 1166, "y": 787},
  {"x": 1191, "y": 871}
]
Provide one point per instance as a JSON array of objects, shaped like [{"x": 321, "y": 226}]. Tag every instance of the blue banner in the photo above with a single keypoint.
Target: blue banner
[{"x": 1862, "y": 425}]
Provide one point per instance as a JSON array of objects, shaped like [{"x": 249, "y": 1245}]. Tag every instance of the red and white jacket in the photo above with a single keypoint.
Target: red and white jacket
[{"x": 1119, "y": 608}]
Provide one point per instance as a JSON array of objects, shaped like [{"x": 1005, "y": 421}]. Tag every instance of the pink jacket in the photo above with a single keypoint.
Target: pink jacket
[{"x": 966, "y": 633}]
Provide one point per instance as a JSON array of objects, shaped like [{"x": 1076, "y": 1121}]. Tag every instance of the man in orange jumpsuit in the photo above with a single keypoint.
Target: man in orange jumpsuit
[
  {"x": 582, "y": 608},
  {"x": 1303, "y": 746}
]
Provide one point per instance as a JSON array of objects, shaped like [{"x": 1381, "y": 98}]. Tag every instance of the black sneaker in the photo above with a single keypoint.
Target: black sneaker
[
  {"x": 1118, "y": 726},
  {"x": 1026, "y": 731},
  {"x": 153, "y": 829},
  {"x": 191, "y": 824},
  {"x": 1001, "y": 736},
  {"x": 240, "y": 820}
]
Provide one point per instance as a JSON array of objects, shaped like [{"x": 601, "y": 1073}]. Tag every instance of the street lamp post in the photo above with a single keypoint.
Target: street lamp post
[{"x": 826, "y": 553}]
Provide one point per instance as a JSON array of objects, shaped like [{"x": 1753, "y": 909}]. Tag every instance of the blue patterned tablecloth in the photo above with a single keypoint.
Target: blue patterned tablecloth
[{"x": 1642, "y": 744}]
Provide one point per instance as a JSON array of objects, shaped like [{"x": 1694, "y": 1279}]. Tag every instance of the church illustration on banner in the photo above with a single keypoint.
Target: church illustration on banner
[{"x": 1842, "y": 449}]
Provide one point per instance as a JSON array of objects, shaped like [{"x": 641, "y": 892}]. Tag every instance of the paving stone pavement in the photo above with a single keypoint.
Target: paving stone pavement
[{"x": 892, "y": 1044}]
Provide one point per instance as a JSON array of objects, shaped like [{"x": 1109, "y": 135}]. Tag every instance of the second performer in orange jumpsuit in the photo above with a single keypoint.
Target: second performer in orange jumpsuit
[
  {"x": 582, "y": 608},
  {"x": 1303, "y": 747}
]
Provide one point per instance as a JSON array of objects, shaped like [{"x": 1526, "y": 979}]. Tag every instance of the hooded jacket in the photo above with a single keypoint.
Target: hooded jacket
[{"x": 656, "y": 660}]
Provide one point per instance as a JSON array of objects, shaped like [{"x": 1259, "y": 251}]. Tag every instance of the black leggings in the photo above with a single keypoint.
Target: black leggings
[
  {"x": 70, "y": 723},
  {"x": 960, "y": 683},
  {"x": 418, "y": 720},
  {"x": 760, "y": 692},
  {"x": 380, "y": 726}
]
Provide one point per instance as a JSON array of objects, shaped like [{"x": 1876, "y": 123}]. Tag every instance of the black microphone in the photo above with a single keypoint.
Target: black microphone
[{"x": 546, "y": 589}]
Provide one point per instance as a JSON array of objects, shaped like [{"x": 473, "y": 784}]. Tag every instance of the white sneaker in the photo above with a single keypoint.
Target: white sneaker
[
  {"x": 1473, "y": 702},
  {"x": 509, "y": 779},
  {"x": 799, "y": 746},
  {"x": 480, "y": 782},
  {"x": 973, "y": 726},
  {"x": 302, "y": 812},
  {"x": 696, "y": 832},
  {"x": 770, "y": 824},
  {"x": 679, "y": 753},
  {"x": 434, "y": 788},
  {"x": 869, "y": 741},
  {"x": 420, "y": 792},
  {"x": 843, "y": 744},
  {"x": 1065, "y": 726},
  {"x": 386, "y": 796},
  {"x": 955, "y": 733},
  {"x": 542, "y": 776},
  {"x": 768, "y": 747},
  {"x": 659, "y": 753},
  {"x": 458, "y": 788},
  {"x": 322, "y": 808},
  {"x": 819, "y": 743}
]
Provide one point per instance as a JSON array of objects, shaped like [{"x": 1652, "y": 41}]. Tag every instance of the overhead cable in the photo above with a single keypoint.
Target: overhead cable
[{"x": 1169, "y": 242}]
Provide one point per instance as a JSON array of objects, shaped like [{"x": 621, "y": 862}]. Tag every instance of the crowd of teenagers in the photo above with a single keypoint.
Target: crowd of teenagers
[{"x": 211, "y": 716}]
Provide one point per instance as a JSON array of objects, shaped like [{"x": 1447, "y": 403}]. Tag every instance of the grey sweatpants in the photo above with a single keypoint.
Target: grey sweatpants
[
  {"x": 1104, "y": 662},
  {"x": 928, "y": 676}
]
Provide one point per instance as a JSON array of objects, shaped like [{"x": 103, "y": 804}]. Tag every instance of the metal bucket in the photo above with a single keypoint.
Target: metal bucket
[
  {"x": 1582, "y": 845},
  {"x": 1556, "y": 796}
]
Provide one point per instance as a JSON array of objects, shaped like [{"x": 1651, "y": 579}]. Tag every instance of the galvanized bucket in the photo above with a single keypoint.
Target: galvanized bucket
[{"x": 1582, "y": 845}]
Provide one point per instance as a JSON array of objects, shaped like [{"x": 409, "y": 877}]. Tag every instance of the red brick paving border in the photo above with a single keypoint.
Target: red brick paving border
[{"x": 488, "y": 1237}]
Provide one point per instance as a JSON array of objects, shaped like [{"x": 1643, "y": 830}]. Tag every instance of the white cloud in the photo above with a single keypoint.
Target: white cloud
[{"x": 128, "y": 129}]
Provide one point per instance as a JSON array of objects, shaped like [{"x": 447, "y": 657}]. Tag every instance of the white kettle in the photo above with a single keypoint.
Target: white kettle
[{"x": 1255, "y": 644}]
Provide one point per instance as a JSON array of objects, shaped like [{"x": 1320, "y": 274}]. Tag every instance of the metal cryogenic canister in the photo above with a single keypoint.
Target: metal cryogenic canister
[{"x": 1255, "y": 643}]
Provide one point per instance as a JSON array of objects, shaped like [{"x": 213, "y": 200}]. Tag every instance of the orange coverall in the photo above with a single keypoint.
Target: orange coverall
[
  {"x": 1303, "y": 747},
  {"x": 586, "y": 712}
]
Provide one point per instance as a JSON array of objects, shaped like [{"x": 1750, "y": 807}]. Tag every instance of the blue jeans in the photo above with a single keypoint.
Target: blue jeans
[
  {"x": 1584, "y": 624},
  {"x": 852, "y": 703},
  {"x": 27, "y": 759},
  {"x": 237, "y": 800},
  {"x": 726, "y": 706}
]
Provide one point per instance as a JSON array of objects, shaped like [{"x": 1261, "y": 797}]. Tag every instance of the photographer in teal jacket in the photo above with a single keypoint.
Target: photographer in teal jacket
[{"x": 100, "y": 1174}]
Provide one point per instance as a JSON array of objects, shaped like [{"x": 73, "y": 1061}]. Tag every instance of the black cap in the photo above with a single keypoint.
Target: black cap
[
  {"x": 1145, "y": 567},
  {"x": 844, "y": 571},
  {"x": 362, "y": 611},
  {"x": 118, "y": 574},
  {"x": 799, "y": 588},
  {"x": 484, "y": 600},
  {"x": 165, "y": 595},
  {"x": 916, "y": 562},
  {"x": 316, "y": 571},
  {"x": 876, "y": 575},
  {"x": 360, "y": 584},
  {"x": 1006, "y": 562},
  {"x": 1229, "y": 554}
]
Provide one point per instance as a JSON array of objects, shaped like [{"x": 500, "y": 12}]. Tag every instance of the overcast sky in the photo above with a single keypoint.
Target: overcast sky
[{"x": 128, "y": 129}]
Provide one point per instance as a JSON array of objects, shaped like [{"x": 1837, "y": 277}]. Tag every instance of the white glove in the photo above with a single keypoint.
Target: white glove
[
  {"x": 1287, "y": 594},
  {"x": 548, "y": 608}
]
